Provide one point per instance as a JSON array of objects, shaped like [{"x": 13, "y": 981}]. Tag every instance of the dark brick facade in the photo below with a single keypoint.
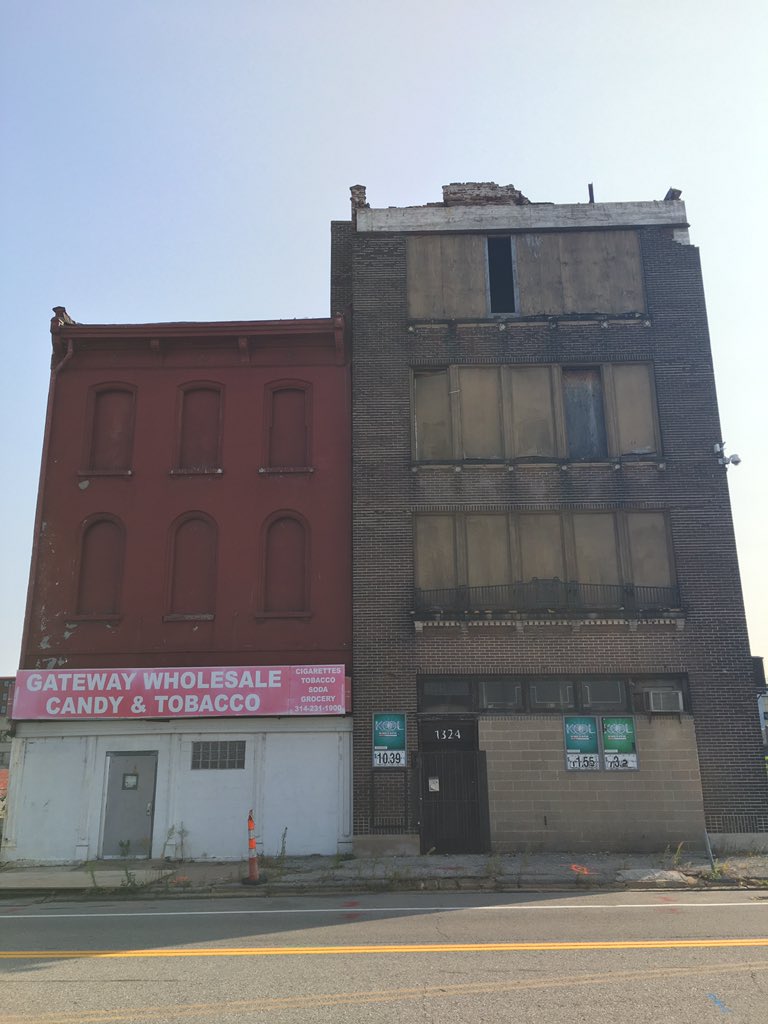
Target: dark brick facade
[{"x": 709, "y": 645}]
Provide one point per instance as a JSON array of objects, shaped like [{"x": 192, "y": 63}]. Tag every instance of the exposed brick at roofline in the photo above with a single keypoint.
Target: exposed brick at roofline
[{"x": 712, "y": 650}]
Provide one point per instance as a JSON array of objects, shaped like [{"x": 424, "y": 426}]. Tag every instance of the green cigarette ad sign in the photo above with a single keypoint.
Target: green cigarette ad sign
[
  {"x": 581, "y": 746},
  {"x": 619, "y": 744},
  {"x": 389, "y": 740}
]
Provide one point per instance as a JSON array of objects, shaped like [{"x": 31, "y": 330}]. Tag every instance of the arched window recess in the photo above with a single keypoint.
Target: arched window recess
[
  {"x": 192, "y": 568},
  {"x": 99, "y": 571},
  {"x": 287, "y": 427},
  {"x": 284, "y": 576},
  {"x": 110, "y": 424}
]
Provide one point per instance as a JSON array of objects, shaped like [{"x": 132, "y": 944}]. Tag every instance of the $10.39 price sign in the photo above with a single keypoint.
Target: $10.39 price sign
[
  {"x": 389, "y": 740},
  {"x": 389, "y": 759}
]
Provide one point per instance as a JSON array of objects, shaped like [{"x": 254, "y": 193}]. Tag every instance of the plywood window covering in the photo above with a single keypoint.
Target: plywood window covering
[
  {"x": 286, "y": 551},
  {"x": 193, "y": 567},
  {"x": 492, "y": 550},
  {"x": 200, "y": 429},
  {"x": 100, "y": 574},
  {"x": 432, "y": 415},
  {"x": 597, "y": 555},
  {"x": 111, "y": 430},
  {"x": 436, "y": 554},
  {"x": 289, "y": 427},
  {"x": 542, "y": 551},
  {"x": 579, "y": 272},
  {"x": 534, "y": 430},
  {"x": 635, "y": 412},
  {"x": 649, "y": 549},
  {"x": 571, "y": 413},
  {"x": 468, "y": 276},
  {"x": 481, "y": 412},
  {"x": 488, "y": 550},
  {"x": 446, "y": 276}
]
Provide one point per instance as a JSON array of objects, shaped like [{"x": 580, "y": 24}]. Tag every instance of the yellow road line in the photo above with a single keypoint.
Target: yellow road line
[
  {"x": 267, "y": 1004},
  {"x": 458, "y": 947}
]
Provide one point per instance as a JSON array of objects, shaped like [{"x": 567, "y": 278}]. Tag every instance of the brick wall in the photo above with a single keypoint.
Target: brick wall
[
  {"x": 535, "y": 803},
  {"x": 712, "y": 649}
]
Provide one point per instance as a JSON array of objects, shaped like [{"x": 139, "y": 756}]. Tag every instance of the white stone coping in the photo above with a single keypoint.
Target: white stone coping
[{"x": 536, "y": 217}]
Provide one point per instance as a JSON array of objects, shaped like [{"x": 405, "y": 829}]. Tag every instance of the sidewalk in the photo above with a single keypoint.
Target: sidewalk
[{"x": 317, "y": 875}]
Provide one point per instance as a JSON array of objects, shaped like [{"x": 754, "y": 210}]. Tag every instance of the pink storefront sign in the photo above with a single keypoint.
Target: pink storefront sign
[{"x": 229, "y": 691}]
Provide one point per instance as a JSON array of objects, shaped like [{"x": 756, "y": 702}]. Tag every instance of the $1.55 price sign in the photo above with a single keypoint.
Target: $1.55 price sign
[{"x": 581, "y": 745}]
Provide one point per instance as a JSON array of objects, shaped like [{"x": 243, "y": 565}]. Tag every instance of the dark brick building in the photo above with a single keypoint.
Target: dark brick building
[{"x": 542, "y": 533}]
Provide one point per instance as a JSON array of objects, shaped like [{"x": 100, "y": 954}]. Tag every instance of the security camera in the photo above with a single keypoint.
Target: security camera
[{"x": 735, "y": 460}]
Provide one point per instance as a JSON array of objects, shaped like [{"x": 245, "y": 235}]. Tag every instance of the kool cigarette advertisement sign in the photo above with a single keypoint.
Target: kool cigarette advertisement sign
[
  {"x": 619, "y": 744},
  {"x": 179, "y": 692}
]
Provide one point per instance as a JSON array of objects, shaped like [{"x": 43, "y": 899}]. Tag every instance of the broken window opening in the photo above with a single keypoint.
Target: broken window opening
[{"x": 501, "y": 278}]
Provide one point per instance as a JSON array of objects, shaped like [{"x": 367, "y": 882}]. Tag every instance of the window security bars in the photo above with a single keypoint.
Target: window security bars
[{"x": 546, "y": 596}]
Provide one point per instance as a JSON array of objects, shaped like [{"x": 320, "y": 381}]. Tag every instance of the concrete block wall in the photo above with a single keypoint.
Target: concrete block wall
[{"x": 535, "y": 803}]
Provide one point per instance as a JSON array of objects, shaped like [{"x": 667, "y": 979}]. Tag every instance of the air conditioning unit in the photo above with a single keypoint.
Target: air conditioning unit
[{"x": 664, "y": 700}]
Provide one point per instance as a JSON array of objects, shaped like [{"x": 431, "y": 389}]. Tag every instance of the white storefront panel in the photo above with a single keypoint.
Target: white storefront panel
[{"x": 296, "y": 777}]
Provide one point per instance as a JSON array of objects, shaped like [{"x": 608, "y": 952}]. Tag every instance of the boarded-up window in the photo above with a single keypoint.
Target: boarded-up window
[
  {"x": 101, "y": 568},
  {"x": 285, "y": 568},
  {"x": 649, "y": 549},
  {"x": 597, "y": 558},
  {"x": 480, "y": 398},
  {"x": 435, "y": 552},
  {"x": 488, "y": 555},
  {"x": 193, "y": 567},
  {"x": 541, "y": 547},
  {"x": 446, "y": 276},
  {"x": 580, "y": 272},
  {"x": 541, "y": 560},
  {"x": 433, "y": 416},
  {"x": 533, "y": 421},
  {"x": 200, "y": 430},
  {"x": 584, "y": 413},
  {"x": 513, "y": 412},
  {"x": 288, "y": 427},
  {"x": 634, "y": 408},
  {"x": 111, "y": 442}
]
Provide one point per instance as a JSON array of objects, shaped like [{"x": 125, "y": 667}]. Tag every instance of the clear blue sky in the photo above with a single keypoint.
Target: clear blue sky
[{"x": 181, "y": 160}]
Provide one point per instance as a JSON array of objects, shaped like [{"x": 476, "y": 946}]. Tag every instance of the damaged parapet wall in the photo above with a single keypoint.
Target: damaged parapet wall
[
  {"x": 458, "y": 193},
  {"x": 482, "y": 193}
]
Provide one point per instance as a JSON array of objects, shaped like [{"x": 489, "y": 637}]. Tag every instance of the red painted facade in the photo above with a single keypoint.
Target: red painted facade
[{"x": 194, "y": 504}]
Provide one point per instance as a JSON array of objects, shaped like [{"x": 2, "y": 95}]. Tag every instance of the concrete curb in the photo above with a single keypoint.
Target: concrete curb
[{"x": 377, "y": 887}]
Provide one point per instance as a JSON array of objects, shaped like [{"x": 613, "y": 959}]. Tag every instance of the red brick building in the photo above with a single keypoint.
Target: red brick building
[{"x": 194, "y": 510}]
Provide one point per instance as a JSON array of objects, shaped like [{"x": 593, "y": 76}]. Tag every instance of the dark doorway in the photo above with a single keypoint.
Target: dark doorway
[{"x": 453, "y": 789}]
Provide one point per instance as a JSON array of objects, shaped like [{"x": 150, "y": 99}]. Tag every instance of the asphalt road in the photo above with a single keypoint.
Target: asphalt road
[{"x": 547, "y": 958}]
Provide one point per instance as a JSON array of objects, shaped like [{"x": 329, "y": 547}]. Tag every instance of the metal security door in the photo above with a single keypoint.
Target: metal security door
[
  {"x": 130, "y": 804},
  {"x": 453, "y": 802}
]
